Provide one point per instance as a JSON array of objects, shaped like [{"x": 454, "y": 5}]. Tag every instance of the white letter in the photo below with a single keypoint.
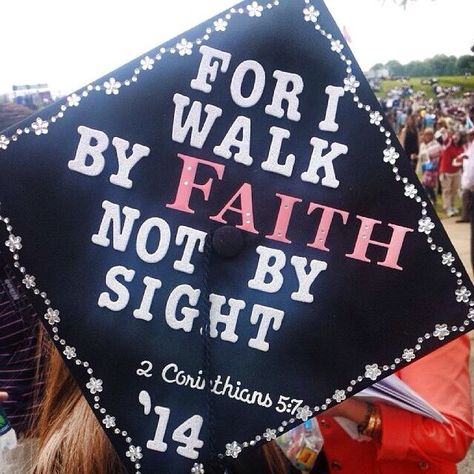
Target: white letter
[
  {"x": 305, "y": 280},
  {"x": 268, "y": 314},
  {"x": 120, "y": 236},
  {"x": 85, "y": 149},
  {"x": 319, "y": 161},
  {"x": 180, "y": 131},
  {"x": 329, "y": 124},
  {"x": 258, "y": 85},
  {"x": 271, "y": 164},
  {"x": 264, "y": 268},
  {"x": 163, "y": 243},
  {"x": 151, "y": 285},
  {"x": 281, "y": 93},
  {"x": 208, "y": 69},
  {"x": 164, "y": 373},
  {"x": 229, "y": 320},
  {"x": 192, "y": 236},
  {"x": 186, "y": 323},
  {"x": 123, "y": 296},
  {"x": 125, "y": 164},
  {"x": 241, "y": 124}
]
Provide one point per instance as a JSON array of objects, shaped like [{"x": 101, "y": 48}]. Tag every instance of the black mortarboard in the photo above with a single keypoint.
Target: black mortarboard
[{"x": 225, "y": 237}]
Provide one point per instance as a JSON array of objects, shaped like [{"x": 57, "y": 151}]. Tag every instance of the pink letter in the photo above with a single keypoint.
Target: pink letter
[
  {"x": 364, "y": 240},
  {"x": 325, "y": 224},
  {"x": 246, "y": 209},
  {"x": 186, "y": 183},
  {"x": 283, "y": 219}
]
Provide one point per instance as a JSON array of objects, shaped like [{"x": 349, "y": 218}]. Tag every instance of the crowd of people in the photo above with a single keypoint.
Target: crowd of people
[{"x": 437, "y": 135}]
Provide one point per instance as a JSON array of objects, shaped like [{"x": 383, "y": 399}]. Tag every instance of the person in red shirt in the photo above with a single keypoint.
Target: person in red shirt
[
  {"x": 407, "y": 442},
  {"x": 396, "y": 441},
  {"x": 450, "y": 171}
]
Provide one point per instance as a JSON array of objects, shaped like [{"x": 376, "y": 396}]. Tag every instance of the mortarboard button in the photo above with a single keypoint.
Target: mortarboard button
[{"x": 227, "y": 241}]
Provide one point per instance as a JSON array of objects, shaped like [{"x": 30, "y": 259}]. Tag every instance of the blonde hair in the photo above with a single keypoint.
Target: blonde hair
[{"x": 71, "y": 440}]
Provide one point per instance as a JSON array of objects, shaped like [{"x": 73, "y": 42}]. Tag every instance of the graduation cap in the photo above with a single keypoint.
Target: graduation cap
[{"x": 225, "y": 237}]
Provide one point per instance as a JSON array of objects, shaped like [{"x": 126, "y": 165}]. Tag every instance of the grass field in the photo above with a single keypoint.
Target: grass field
[{"x": 466, "y": 83}]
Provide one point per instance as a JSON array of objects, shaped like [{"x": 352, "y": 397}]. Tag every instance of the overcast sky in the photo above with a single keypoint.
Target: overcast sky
[{"x": 70, "y": 43}]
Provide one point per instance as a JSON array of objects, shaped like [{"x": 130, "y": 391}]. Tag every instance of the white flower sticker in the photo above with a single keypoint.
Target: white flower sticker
[
  {"x": 4, "y": 141},
  {"x": 304, "y": 413},
  {"x": 270, "y": 434},
  {"x": 185, "y": 47},
  {"x": 94, "y": 385},
  {"x": 339, "y": 396},
  {"x": 233, "y": 449},
  {"x": 134, "y": 453},
  {"x": 408, "y": 355},
  {"x": 462, "y": 295},
  {"x": 470, "y": 315},
  {"x": 29, "y": 281},
  {"x": 112, "y": 86},
  {"x": 425, "y": 225},
  {"x": 220, "y": 24},
  {"x": 69, "y": 352},
  {"x": 390, "y": 155},
  {"x": 336, "y": 46},
  {"x": 198, "y": 468},
  {"x": 147, "y": 63},
  {"x": 255, "y": 9},
  {"x": 73, "y": 100},
  {"x": 311, "y": 14},
  {"x": 410, "y": 191},
  {"x": 376, "y": 118},
  {"x": 351, "y": 84},
  {"x": 372, "y": 372},
  {"x": 40, "y": 126},
  {"x": 52, "y": 316},
  {"x": 447, "y": 259},
  {"x": 109, "y": 421},
  {"x": 14, "y": 243},
  {"x": 441, "y": 331}
]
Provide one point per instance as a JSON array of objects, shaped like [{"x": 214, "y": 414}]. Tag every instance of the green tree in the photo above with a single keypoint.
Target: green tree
[
  {"x": 418, "y": 68},
  {"x": 465, "y": 64},
  {"x": 440, "y": 65},
  {"x": 452, "y": 62},
  {"x": 395, "y": 68}
]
